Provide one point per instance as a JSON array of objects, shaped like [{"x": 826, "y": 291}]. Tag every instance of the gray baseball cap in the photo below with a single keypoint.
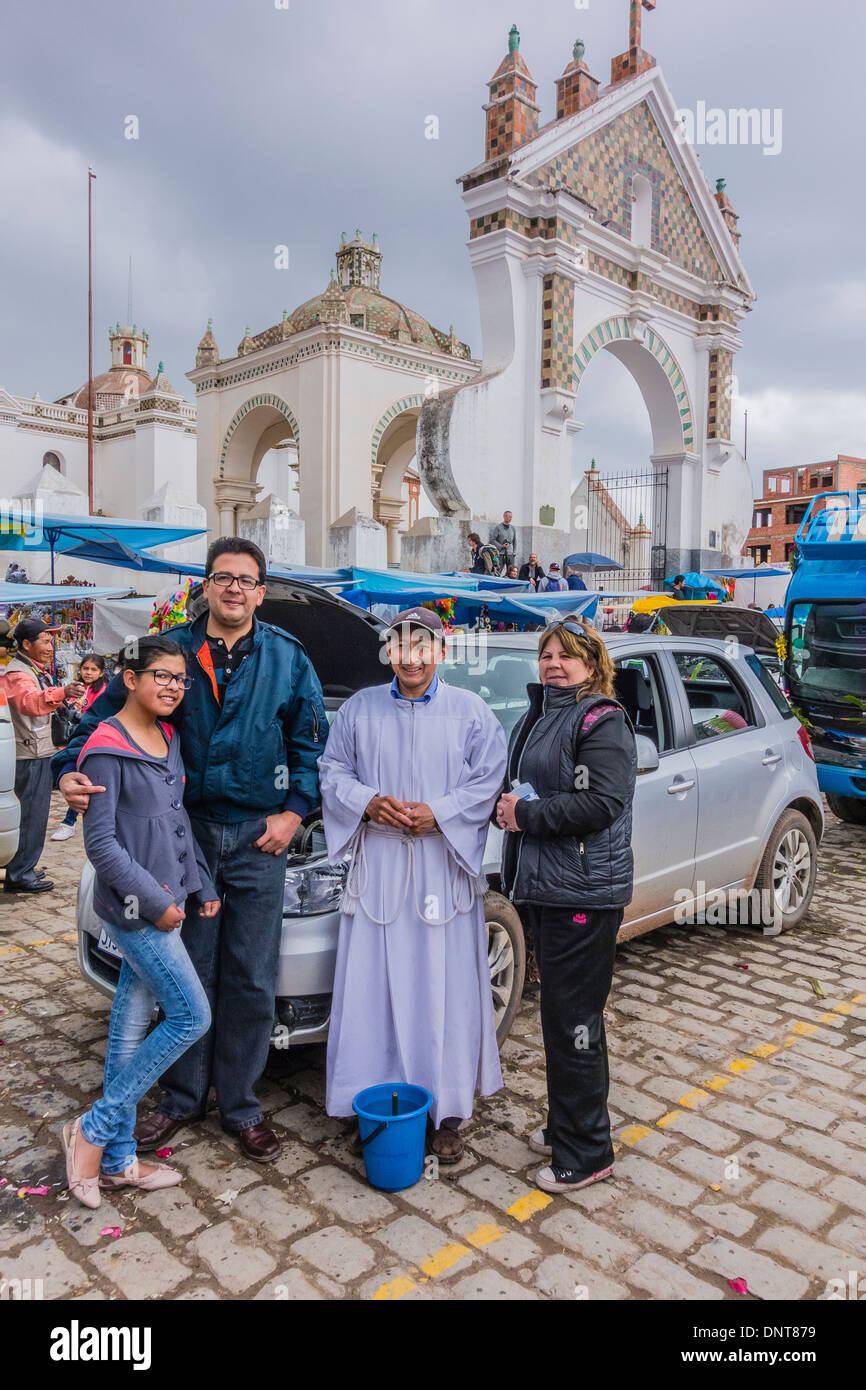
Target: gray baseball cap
[{"x": 418, "y": 617}]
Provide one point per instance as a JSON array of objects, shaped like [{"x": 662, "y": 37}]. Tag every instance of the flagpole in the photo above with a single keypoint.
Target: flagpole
[{"x": 90, "y": 177}]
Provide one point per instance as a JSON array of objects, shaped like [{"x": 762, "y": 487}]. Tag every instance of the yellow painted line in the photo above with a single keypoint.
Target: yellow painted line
[
  {"x": 398, "y": 1288},
  {"x": 844, "y": 1008},
  {"x": 11, "y": 950},
  {"x": 633, "y": 1133},
  {"x": 740, "y": 1064},
  {"x": 444, "y": 1259},
  {"x": 49, "y": 941},
  {"x": 693, "y": 1100},
  {"x": 484, "y": 1235},
  {"x": 716, "y": 1083},
  {"x": 762, "y": 1049},
  {"x": 527, "y": 1206},
  {"x": 669, "y": 1118},
  {"x": 804, "y": 1030}
]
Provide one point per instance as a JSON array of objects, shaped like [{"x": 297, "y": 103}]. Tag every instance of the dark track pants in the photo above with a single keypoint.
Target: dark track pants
[{"x": 575, "y": 961}]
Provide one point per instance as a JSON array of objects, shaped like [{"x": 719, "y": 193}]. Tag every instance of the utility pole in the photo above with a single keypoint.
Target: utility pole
[{"x": 90, "y": 177}]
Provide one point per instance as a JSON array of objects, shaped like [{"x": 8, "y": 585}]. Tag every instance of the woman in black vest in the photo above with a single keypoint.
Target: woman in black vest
[{"x": 567, "y": 863}]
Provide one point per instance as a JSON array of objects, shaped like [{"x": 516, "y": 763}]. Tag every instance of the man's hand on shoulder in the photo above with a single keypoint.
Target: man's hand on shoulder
[{"x": 77, "y": 788}]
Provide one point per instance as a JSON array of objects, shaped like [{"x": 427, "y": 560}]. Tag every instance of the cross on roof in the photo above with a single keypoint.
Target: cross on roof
[{"x": 634, "y": 31}]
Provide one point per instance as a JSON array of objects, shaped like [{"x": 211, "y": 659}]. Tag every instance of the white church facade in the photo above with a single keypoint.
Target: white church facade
[{"x": 336, "y": 389}]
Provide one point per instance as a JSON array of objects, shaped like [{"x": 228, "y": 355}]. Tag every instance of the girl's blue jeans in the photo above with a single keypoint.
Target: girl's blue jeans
[{"x": 156, "y": 970}]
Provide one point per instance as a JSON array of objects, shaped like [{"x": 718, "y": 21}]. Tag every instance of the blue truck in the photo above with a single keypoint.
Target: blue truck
[{"x": 825, "y": 645}]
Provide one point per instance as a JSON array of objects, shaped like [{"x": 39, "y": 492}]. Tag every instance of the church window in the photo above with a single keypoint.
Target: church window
[
  {"x": 642, "y": 211},
  {"x": 356, "y": 320},
  {"x": 127, "y": 354}
]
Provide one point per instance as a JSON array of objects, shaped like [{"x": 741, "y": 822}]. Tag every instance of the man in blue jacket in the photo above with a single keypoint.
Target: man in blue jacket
[{"x": 252, "y": 728}]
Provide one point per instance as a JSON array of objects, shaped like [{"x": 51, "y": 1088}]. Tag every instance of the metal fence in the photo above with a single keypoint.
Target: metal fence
[{"x": 627, "y": 517}]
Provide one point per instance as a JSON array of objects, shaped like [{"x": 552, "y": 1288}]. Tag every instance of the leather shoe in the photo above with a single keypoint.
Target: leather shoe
[
  {"x": 259, "y": 1143},
  {"x": 28, "y": 885},
  {"x": 157, "y": 1129}
]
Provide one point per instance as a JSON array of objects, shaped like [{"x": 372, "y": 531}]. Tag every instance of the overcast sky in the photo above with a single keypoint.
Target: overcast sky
[{"x": 260, "y": 126}]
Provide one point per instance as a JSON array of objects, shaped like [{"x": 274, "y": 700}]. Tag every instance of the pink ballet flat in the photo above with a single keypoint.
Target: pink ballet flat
[
  {"x": 85, "y": 1189},
  {"x": 162, "y": 1176}
]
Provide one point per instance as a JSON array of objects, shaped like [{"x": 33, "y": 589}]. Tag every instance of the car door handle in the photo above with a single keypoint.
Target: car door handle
[
  {"x": 770, "y": 758},
  {"x": 681, "y": 786}
]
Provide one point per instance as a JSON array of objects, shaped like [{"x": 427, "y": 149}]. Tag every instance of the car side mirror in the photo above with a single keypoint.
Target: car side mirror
[{"x": 647, "y": 754}]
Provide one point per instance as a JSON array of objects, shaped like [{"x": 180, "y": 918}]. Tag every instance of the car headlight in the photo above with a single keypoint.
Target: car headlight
[{"x": 314, "y": 888}]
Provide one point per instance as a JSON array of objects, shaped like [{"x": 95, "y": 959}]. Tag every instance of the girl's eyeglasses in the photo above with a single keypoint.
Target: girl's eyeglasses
[{"x": 167, "y": 678}]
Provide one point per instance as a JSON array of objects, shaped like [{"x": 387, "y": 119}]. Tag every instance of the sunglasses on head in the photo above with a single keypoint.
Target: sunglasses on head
[{"x": 575, "y": 631}]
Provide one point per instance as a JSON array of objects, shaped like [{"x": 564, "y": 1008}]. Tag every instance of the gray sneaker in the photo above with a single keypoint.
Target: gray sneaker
[{"x": 538, "y": 1145}]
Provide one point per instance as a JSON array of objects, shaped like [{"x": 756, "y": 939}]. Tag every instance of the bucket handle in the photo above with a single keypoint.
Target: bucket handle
[{"x": 374, "y": 1134}]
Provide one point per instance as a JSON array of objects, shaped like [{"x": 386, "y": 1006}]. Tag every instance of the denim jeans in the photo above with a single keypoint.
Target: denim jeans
[
  {"x": 236, "y": 955},
  {"x": 575, "y": 952},
  {"x": 156, "y": 969}
]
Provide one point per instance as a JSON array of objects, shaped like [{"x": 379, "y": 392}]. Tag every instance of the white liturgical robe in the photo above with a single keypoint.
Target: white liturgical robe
[{"x": 412, "y": 999}]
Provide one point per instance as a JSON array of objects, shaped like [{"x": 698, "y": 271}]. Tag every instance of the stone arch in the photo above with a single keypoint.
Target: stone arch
[
  {"x": 263, "y": 402},
  {"x": 257, "y": 426},
  {"x": 657, "y": 373},
  {"x": 392, "y": 451}
]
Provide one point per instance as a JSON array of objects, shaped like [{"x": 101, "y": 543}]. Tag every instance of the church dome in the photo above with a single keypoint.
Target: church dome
[
  {"x": 113, "y": 388},
  {"x": 355, "y": 300}
]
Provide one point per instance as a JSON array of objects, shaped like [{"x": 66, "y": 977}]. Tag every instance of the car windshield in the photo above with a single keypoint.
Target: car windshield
[
  {"x": 827, "y": 653},
  {"x": 499, "y": 675}
]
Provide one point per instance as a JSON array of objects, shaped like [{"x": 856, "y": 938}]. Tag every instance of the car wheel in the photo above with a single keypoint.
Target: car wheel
[
  {"x": 788, "y": 868},
  {"x": 506, "y": 955},
  {"x": 848, "y": 808}
]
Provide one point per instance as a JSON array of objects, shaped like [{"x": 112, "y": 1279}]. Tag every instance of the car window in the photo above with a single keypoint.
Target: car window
[
  {"x": 764, "y": 671},
  {"x": 499, "y": 676},
  {"x": 639, "y": 690},
  {"x": 716, "y": 703}
]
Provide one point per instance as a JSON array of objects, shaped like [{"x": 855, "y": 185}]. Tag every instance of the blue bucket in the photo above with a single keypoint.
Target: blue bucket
[{"x": 393, "y": 1145}]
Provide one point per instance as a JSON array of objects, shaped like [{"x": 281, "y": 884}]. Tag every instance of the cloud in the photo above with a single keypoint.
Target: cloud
[{"x": 788, "y": 428}]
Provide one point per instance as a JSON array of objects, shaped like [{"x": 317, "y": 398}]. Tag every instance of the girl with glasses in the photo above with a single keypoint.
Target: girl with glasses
[
  {"x": 568, "y": 865},
  {"x": 150, "y": 875}
]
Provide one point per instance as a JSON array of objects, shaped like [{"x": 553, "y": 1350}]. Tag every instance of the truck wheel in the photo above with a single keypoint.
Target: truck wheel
[
  {"x": 848, "y": 808},
  {"x": 506, "y": 954},
  {"x": 788, "y": 868}
]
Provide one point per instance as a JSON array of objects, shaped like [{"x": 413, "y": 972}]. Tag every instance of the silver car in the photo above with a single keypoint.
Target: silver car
[{"x": 727, "y": 801}]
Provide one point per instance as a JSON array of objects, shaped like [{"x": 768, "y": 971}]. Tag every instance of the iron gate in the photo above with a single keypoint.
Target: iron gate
[{"x": 627, "y": 520}]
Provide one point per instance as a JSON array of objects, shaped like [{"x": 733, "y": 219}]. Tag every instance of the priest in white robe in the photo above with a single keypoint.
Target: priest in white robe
[{"x": 409, "y": 778}]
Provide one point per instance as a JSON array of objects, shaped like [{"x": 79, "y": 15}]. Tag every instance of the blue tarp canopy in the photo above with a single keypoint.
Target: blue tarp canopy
[
  {"x": 20, "y": 594},
  {"x": 760, "y": 572},
  {"x": 699, "y": 584},
  {"x": 107, "y": 539}
]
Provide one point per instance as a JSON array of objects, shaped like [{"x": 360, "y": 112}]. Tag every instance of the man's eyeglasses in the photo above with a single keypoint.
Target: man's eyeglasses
[
  {"x": 166, "y": 678},
  {"x": 225, "y": 581}
]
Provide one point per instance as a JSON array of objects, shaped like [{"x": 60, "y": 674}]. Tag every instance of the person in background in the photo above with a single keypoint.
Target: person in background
[
  {"x": 532, "y": 571},
  {"x": 92, "y": 674},
  {"x": 512, "y": 572},
  {"x": 553, "y": 582},
  {"x": 33, "y": 697},
  {"x": 679, "y": 589},
  {"x": 567, "y": 861},
  {"x": 131, "y": 833},
  {"x": 252, "y": 728},
  {"x": 485, "y": 558},
  {"x": 504, "y": 537},
  {"x": 575, "y": 579}
]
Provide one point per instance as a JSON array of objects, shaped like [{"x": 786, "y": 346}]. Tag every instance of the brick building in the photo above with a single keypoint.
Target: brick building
[{"x": 786, "y": 494}]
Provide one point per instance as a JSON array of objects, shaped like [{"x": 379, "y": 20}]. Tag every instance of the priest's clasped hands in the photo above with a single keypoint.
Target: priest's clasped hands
[{"x": 412, "y": 816}]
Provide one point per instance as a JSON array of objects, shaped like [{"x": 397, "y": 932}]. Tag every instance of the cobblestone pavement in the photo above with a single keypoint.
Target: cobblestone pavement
[{"x": 738, "y": 1096}]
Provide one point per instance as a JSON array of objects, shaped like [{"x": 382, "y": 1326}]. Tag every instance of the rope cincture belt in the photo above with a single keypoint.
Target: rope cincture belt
[{"x": 358, "y": 879}]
